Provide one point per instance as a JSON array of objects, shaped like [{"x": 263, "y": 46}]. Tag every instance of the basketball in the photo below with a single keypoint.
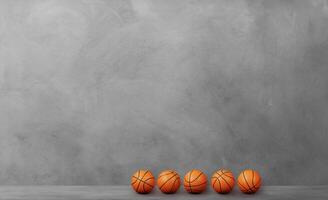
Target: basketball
[
  {"x": 195, "y": 181},
  {"x": 249, "y": 181},
  {"x": 168, "y": 181},
  {"x": 142, "y": 181},
  {"x": 223, "y": 181}
]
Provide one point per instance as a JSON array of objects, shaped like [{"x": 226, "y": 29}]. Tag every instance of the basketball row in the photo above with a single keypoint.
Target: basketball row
[{"x": 195, "y": 181}]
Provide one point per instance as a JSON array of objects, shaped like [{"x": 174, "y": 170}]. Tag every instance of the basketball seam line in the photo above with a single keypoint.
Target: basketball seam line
[
  {"x": 167, "y": 181},
  {"x": 143, "y": 187},
  {"x": 256, "y": 188},
  {"x": 225, "y": 174},
  {"x": 136, "y": 178},
  {"x": 141, "y": 179},
  {"x": 161, "y": 175},
  {"x": 249, "y": 188},
  {"x": 230, "y": 187},
  {"x": 221, "y": 176},
  {"x": 225, "y": 171},
  {"x": 197, "y": 177},
  {"x": 218, "y": 180},
  {"x": 198, "y": 184},
  {"x": 197, "y": 191},
  {"x": 189, "y": 180},
  {"x": 173, "y": 185},
  {"x": 144, "y": 181},
  {"x": 214, "y": 182},
  {"x": 134, "y": 182},
  {"x": 253, "y": 178},
  {"x": 247, "y": 182},
  {"x": 138, "y": 173},
  {"x": 220, "y": 185},
  {"x": 253, "y": 188},
  {"x": 257, "y": 184},
  {"x": 239, "y": 183}
]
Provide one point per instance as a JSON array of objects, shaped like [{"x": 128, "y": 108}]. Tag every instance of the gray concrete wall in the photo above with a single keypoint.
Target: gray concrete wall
[{"x": 92, "y": 90}]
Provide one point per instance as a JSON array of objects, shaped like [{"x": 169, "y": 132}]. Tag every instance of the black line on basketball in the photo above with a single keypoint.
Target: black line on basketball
[
  {"x": 189, "y": 180},
  {"x": 220, "y": 185},
  {"x": 220, "y": 175},
  {"x": 223, "y": 174},
  {"x": 168, "y": 180},
  {"x": 230, "y": 187},
  {"x": 216, "y": 179},
  {"x": 173, "y": 184},
  {"x": 253, "y": 178},
  {"x": 161, "y": 175},
  {"x": 257, "y": 186},
  {"x": 199, "y": 184},
  {"x": 138, "y": 177},
  {"x": 144, "y": 181},
  {"x": 247, "y": 182},
  {"x": 134, "y": 181},
  {"x": 242, "y": 186},
  {"x": 197, "y": 177},
  {"x": 185, "y": 180},
  {"x": 143, "y": 187},
  {"x": 141, "y": 179}
]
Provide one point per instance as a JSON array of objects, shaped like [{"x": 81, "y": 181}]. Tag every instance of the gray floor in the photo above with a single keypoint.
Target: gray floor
[{"x": 125, "y": 192}]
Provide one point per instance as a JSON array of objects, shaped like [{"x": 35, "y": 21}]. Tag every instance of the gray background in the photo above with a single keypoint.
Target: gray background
[{"x": 92, "y": 90}]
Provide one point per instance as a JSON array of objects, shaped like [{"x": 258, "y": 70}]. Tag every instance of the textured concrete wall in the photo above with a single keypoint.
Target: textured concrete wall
[{"x": 92, "y": 90}]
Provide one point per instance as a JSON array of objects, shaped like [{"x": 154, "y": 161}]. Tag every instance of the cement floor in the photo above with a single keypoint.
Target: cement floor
[{"x": 125, "y": 192}]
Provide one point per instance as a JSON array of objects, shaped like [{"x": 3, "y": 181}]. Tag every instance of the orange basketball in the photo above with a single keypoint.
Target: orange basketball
[
  {"x": 195, "y": 181},
  {"x": 168, "y": 181},
  {"x": 143, "y": 181},
  {"x": 249, "y": 181},
  {"x": 223, "y": 181}
]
